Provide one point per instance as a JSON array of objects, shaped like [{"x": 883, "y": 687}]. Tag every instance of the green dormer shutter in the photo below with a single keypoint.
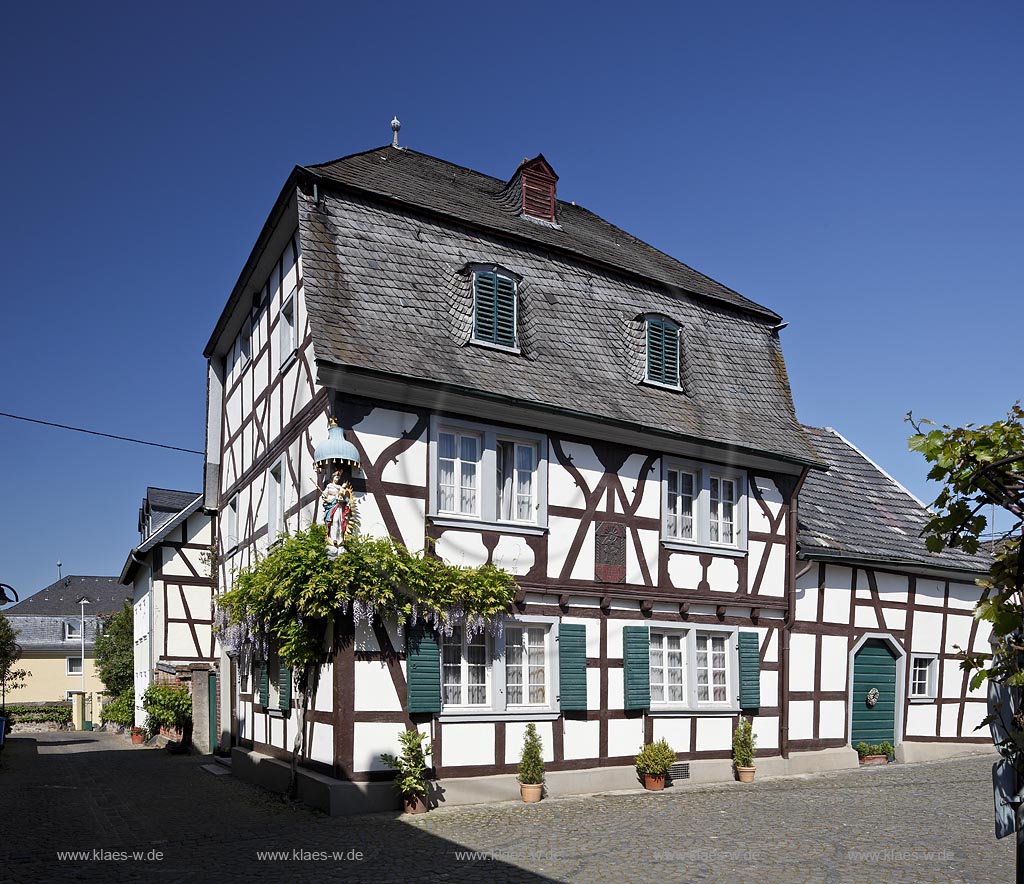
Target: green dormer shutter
[
  {"x": 422, "y": 670},
  {"x": 750, "y": 670},
  {"x": 572, "y": 667},
  {"x": 636, "y": 665},
  {"x": 495, "y": 309},
  {"x": 662, "y": 351}
]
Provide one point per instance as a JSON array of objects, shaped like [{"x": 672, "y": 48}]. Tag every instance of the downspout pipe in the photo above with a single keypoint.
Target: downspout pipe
[{"x": 791, "y": 575}]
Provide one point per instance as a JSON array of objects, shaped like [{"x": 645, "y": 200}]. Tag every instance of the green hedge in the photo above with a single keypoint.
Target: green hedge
[
  {"x": 25, "y": 714},
  {"x": 120, "y": 710},
  {"x": 167, "y": 705}
]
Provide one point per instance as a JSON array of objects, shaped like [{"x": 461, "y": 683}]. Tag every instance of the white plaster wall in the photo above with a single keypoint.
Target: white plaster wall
[
  {"x": 580, "y": 739},
  {"x": 561, "y": 533},
  {"x": 930, "y": 592},
  {"x": 948, "y": 715},
  {"x": 562, "y": 487},
  {"x": 723, "y": 575},
  {"x": 771, "y": 653},
  {"x": 324, "y": 699},
  {"x": 675, "y": 730},
  {"x": 371, "y": 738},
  {"x": 952, "y": 679},
  {"x": 379, "y": 429},
  {"x": 614, "y": 629},
  {"x": 616, "y": 695},
  {"x": 865, "y": 617},
  {"x": 594, "y": 689},
  {"x": 321, "y": 746},
  {"x": 713, "y": 733},
  {"x": 374, "y": 689},
  {"x": 964, "y": 596},
  {"x": 895, "y": 618},
  {"x": 684, "y": 570},
  {"x": 832, "y": 720},
  {"x": 834, "y": 660},
  {"x": 593, "y": 633},
  {"x": 625, "y": 736},
  {"x": 958, "y": 632},
  {"x": 649, "y": 506},
  {"x": 462, "y": 548},
  {"x": 468, "y": 744},
  {"x": 974, "y": 713},
  {"x": 757, "y": 521},
  {"x": 801, "y": 719},
  {"x": 514, "y": 554},
  {"x": 773, "y": 582},
  {"x": 586, "y": 462},
  {"x": 766, "y": 729},
  {"x": 863, "y": 587},
  {"x": 769, "y": 688},
  {"x": 838, "y": 583},
  {"x": 801, "y": 670},
  {"x": 647, "y": 553},
  {"x": 921, "y": 719},
  {"x": 277, "y": 732},
  {"x": 891, "y": 587},
  {"x": 927, "y": 635},
  {"x": 807, "y": 596},
  {"x": 515, "y": 733}
]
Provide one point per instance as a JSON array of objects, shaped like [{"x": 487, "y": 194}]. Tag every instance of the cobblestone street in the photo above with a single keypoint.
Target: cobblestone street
[{"x": 95, "y": 793}]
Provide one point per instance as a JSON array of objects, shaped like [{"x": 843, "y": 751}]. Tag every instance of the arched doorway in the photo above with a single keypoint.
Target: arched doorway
[{"x": 876, "y": 697}]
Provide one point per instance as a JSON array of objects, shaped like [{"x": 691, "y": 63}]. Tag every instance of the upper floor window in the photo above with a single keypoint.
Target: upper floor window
[
  {"x": 231, "y": 523},
  {"x": 704, "y": 505},
  {"x": 494, "y": 309},
  {"x": 72, "y": 629},
  {"x": 287, "y": 330},
  {"x": 275, "y": 502},
  {"x": 662, "y": 351},
  {"x": 488, "y": 473}
]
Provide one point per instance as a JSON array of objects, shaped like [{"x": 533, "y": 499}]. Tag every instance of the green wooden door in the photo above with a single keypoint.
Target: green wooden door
[{"x": 874, "y": 666}]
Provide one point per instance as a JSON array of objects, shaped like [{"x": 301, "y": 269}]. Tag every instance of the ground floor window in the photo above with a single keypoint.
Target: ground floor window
[
  {"x": 923, "y": 677},
  {"x": 692, "y": 668},
  {"x": 74, "y": 665}
]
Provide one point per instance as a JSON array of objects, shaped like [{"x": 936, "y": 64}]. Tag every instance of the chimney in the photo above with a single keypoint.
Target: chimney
[{"x": 537, "y": 181}]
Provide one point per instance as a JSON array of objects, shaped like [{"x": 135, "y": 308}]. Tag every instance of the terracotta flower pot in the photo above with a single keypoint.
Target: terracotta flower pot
[
  {"x": 874, "y": 759},
  {"x": 654, "y": 782},
  {"x": 138, "y": 739},
  {"x": 745, "y": 774},
  {"x": 415, "y": 805},
  {"x": 531, "y": 791}
]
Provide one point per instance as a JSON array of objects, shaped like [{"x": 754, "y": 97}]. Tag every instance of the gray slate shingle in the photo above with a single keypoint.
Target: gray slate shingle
[
  {"x": 61, "y": 597},
  {"x": 858, "y": 512}
]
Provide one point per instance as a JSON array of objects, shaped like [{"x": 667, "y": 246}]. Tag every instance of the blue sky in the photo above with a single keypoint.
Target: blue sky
[{"x": 855, "y": 167}]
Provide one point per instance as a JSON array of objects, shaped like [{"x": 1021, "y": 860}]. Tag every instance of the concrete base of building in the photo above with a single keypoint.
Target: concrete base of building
[
  {"x": 341, "y": 798},
  {"x": 913, "y": 751}
]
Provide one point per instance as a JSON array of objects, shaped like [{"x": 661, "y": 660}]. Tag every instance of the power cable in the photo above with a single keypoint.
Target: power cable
[{"x": 33, "y": 420}]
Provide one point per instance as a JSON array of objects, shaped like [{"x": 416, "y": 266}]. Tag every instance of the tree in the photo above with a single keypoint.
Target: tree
[
  {"x": 982, "y": 467},
  {"x": 10, "y": 654},
  {"x": 115, "y": 651}
]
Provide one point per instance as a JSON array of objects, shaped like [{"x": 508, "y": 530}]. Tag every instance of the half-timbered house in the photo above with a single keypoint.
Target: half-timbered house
[
  {"x": 169, "y": 575},
  {"x": 527, "y": 385}
]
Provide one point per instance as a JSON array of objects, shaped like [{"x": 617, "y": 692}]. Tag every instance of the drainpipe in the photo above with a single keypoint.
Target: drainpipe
[{"x": 791, "y": 578}]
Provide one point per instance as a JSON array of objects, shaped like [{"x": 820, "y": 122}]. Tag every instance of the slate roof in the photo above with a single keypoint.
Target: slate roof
[
  {"x": 46, "y": 633},
  {"x": 386, "y": 284},
  {"x": 857, "y": 511},
  {"x": 159, "y": 534},
  {"x": 61, "y": 598},
  {"x": 172, "y": 501}
]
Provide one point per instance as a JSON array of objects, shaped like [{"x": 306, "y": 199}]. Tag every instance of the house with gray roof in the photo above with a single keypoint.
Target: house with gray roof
[
  {"x": 508, "y": 378},
  {"x": 167, "y": 576},
  {"x": 51, "y": 625}
]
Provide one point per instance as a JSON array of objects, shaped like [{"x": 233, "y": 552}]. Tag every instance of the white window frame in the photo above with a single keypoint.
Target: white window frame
[
  {"x": 459, "y": 473},
  {"x": 514, "y": 279},
  {"x": 231, "y": 523},
  {"x": 497, "y": 705},
  {"x": 702, "y": 507},
  {"x": 69, "y": 670},
  {"x": 931, "y": 689},
  {"x": 678, "y": 385},
  {"x": 487, "y": 512},
  {"x": 692, "y": 703},
  {"x": 72, "y": 630},
  {"x": 287, "y": 329},
  {"x": 275, "y": 501},
  {"x": 461, "y": 639}
]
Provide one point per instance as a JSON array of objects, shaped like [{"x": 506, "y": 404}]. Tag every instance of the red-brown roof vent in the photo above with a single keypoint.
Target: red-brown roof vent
[{"x": 536, "y": 181}]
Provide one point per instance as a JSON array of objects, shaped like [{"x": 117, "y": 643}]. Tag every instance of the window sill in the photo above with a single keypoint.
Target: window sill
[
  {"x": 685, "y": 546},
  {"x": 491, "y": 715},
  {"x": 490, "y": 345},
  {"x": 675, "y": 388},
  {"x": 922, "y": 700},
  {"x": 287, "y": 363},
  {"x": 447, "y": 521},
  {"x": 669, "y": 711}
]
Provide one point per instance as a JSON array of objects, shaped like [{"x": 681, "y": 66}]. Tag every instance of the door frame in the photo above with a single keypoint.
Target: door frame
[{"x": 901, "y": 674}]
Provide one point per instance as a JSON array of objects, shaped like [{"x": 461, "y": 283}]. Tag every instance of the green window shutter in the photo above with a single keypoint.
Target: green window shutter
[
  {"x": 572, "y": 667},
  {"x": 263, "y": 680},
  {"x": 662, "y": 351},
  {"x": 636, "y": 665},
  {"x": 495, "y": 309},
  {"x": 750, "y": 670},
  {"x": 423, "y": 670},
  {"x": 284, "y": 688}
]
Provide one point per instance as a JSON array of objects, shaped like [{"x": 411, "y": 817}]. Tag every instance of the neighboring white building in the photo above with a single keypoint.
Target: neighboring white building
[{"x": 169, "y": 572}]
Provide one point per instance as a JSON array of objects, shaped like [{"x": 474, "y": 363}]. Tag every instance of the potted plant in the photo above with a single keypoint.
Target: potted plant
[
  {"x": 411, "y": 779},
  {"x": 874, "y": 753},
  {"x": 531, "y": 766},
  {"x": 138, "y": 735},
  {"x": 653, "y": 763},
  {"x": 743, "y": 745}
]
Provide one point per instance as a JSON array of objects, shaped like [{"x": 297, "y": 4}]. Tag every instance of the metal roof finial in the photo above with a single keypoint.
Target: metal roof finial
[{"x": 395, "y": 126}]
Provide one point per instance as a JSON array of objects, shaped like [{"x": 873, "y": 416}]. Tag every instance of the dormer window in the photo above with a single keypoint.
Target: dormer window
[
  {"x": 494, "y": 308},
  {"x": 662, "y": 351}
]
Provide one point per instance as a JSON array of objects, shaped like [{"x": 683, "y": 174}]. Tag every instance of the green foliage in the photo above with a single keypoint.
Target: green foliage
[
  {"x": 115, "y": 660},
  {"x": 655, "y": 758},
  {"x": 120, "y": 710},
  {"x": 289, "y": 597},
  {"x": 10, "y": 653},
  {"x": 744, "y": 744},
  {"x": 169, "y": 705},
  {"x": 59, "y": 714},
  {"x": 411, "y": 779},
  {"x": 982, "y": 467},
  {"x": 874, "y": 748},
  {"x": 531, "y": 759}
]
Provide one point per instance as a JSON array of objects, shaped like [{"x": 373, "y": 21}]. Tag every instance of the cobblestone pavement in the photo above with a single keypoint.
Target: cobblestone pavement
[{"x": 141, "y": 814}]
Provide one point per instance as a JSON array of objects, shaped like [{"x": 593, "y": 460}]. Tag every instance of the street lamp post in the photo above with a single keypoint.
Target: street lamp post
[{"x": 83, "y": 601}]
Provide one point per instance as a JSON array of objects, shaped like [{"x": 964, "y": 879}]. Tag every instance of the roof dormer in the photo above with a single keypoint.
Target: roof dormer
[{"x": 533, "y": 185}]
